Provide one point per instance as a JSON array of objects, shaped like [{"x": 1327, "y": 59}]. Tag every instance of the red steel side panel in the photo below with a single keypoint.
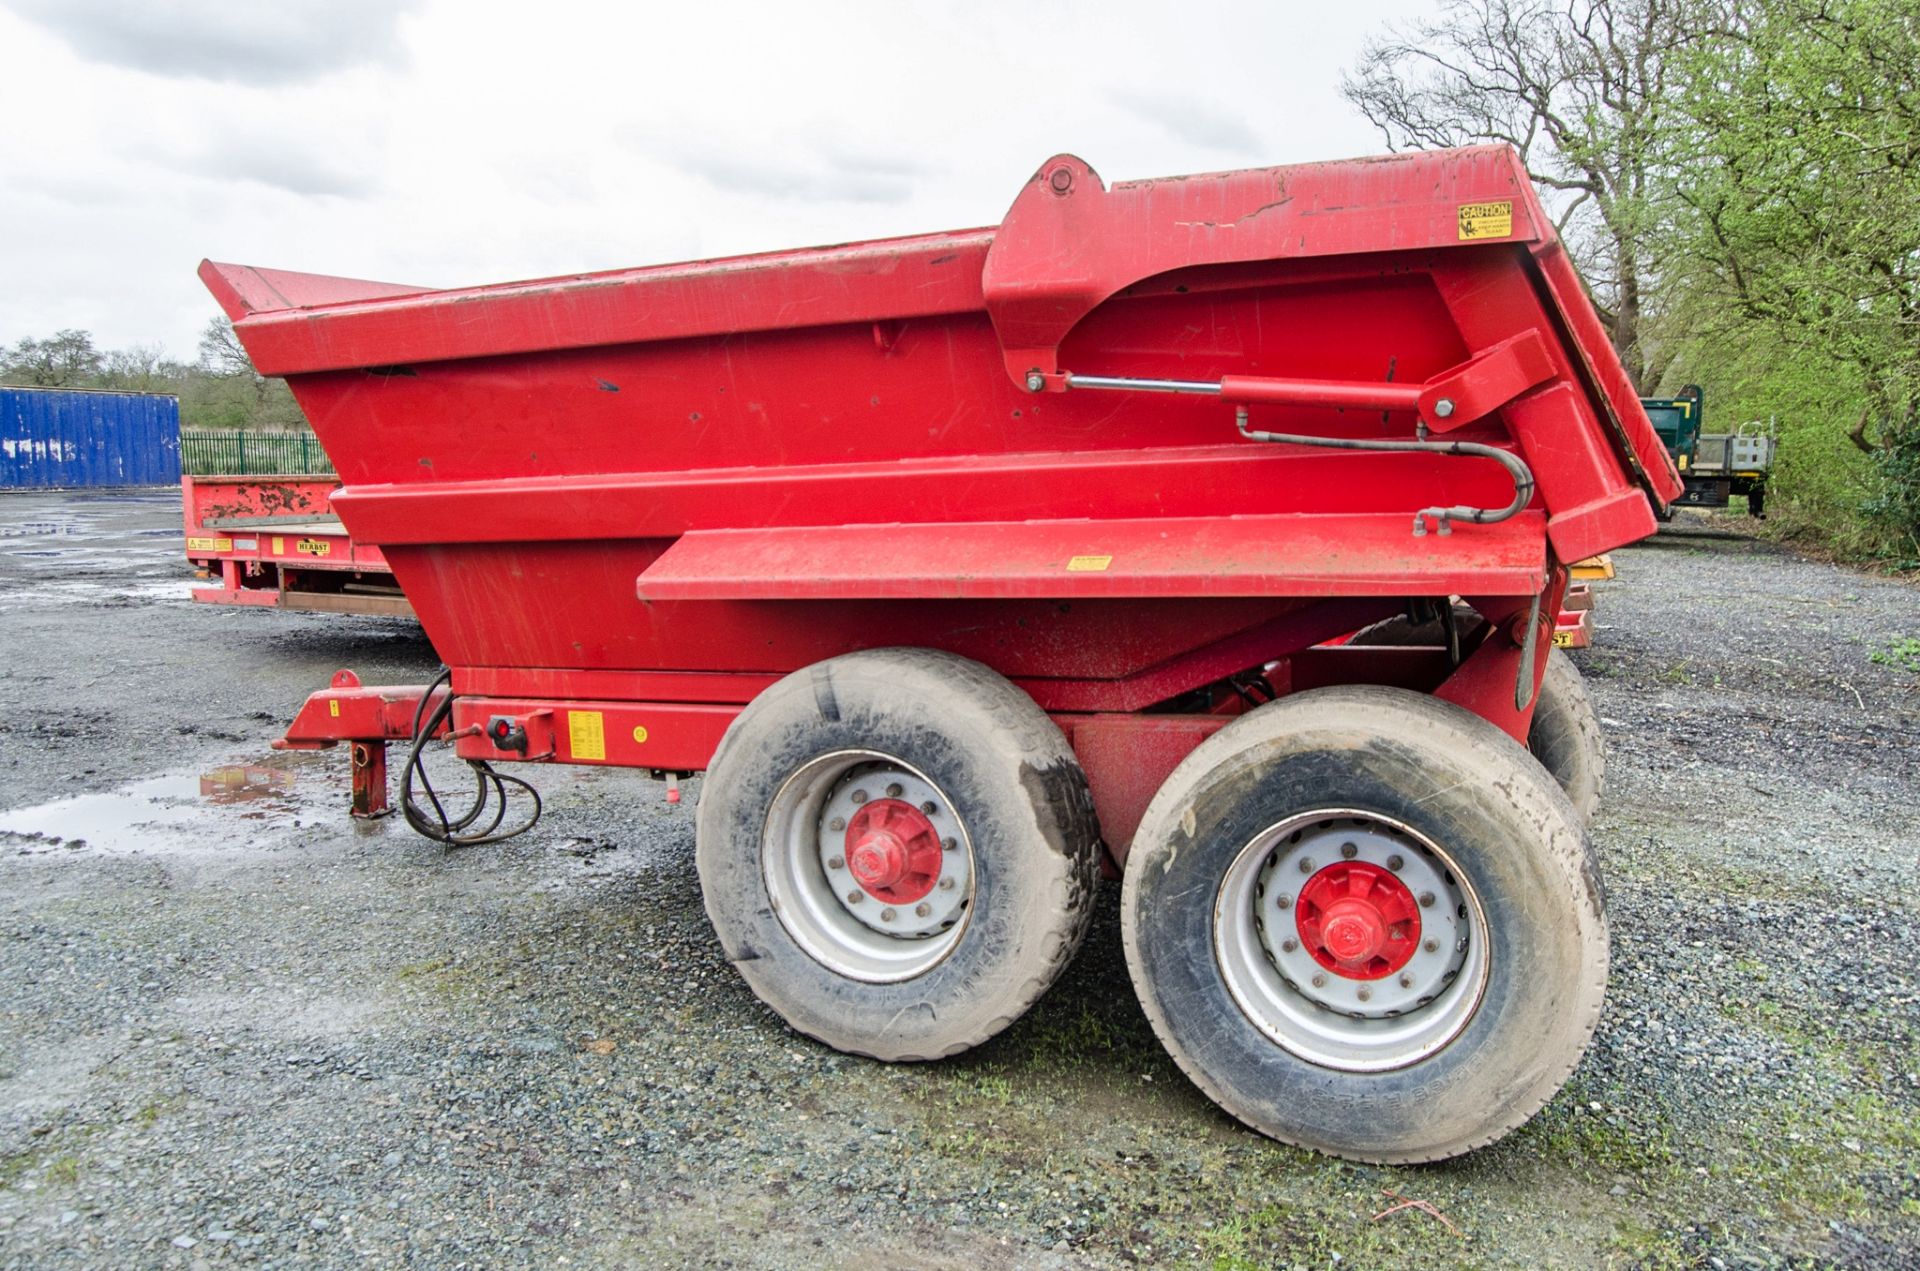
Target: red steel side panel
[
  {"x": 733, "y": 468},
  {"x": 1372, "y": 555}
]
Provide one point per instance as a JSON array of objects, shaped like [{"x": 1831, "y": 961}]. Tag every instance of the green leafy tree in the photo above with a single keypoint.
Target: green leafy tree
[
  {"x": 1793, "y": 171},
  {"x": 66, "y": 359}
]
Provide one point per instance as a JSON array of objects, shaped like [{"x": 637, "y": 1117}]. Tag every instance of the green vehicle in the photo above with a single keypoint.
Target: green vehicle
[{"x": 1716, "y": 466}]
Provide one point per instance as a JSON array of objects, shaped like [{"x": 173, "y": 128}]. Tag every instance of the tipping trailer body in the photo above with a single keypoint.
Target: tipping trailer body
[
  {"x": 653, "y": 492},
  {"x": 951, "y": 558}
]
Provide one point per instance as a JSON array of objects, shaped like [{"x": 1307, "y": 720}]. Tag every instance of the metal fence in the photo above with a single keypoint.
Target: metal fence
[{"x": 232, "y": 454}]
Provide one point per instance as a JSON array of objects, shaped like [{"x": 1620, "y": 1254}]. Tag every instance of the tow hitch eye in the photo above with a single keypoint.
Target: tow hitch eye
[{"x": 506, "y": 734}]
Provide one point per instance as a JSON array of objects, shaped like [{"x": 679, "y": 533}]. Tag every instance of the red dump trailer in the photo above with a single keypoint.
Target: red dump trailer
[{"x": 962, "y": 562}]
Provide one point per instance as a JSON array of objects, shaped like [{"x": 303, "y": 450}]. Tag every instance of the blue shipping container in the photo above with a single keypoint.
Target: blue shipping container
[{"x": 80, "y": 437}]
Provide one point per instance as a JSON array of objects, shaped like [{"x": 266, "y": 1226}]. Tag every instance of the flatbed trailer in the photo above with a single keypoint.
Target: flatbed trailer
[
  {"x": 273, "y": 540},
  {"x": 963, "y": 562}
]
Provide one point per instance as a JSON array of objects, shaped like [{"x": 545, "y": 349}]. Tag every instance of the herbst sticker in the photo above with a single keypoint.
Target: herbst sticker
[{"x": 313, "y": 546}]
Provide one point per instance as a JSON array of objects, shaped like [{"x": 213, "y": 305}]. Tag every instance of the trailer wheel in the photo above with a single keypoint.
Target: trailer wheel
[
  {"x": 1364, "y": 921},
  {"x": 1565, "y": 737},
  {"x": 898, "y": 851}
]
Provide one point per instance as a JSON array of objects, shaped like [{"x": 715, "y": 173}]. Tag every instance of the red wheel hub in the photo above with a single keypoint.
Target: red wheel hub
[
  {"x": 893, "y": 851},
  {"x": 1358, "y": 920}
]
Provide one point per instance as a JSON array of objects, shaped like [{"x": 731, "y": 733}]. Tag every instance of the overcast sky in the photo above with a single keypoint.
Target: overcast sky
[{"x": 445, "y": 142}]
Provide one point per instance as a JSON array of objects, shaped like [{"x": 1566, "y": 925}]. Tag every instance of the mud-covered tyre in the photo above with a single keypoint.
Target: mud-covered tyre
[
  {"x": 1565, "y": 736},
  {"x": 897, "y": 850},
  {"x": 1364, "y": 921}
]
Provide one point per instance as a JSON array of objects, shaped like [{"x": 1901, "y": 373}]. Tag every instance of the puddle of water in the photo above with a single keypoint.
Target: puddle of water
[
  {"x": 40, "y": 529},
  {"x": 226, "y": 806},
  {"x": 79, "y": 591}
]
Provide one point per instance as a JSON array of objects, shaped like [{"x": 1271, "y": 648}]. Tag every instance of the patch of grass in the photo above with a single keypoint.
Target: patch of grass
[
  {"x": 63, "y": 1169},
  {"x": 1648, "y": 1249},
  {"x": 1602, "y": 1148},
  {"x": 152, "y": 1110},
  {"x": 12, "y": 1167},
  {"x": 1903, "y": 652},
  {"x": 1676, "y": 674},
  {"x": 1229, "y": 1245},
  {"x": 441, "y": 976}
]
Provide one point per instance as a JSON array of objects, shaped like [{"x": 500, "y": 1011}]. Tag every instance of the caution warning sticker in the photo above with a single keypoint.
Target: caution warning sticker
[
  {"x": 1089, "y": 564},
  {"x": 586, "y": 735},
  {"x": 1486, "y": 220},
  {"x": 209, "y": 544}
]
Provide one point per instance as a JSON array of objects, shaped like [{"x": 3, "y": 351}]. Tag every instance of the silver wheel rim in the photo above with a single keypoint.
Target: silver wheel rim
[
  {"x": 831, "y": 915},
  {"x": 1331, "y": 1017}
]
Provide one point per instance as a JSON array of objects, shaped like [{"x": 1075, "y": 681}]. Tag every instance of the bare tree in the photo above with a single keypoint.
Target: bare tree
[
  {"x": 142, "y": 368},
  {"x": 221, "y": 352},
  {"x": 1579, "y": 88}
]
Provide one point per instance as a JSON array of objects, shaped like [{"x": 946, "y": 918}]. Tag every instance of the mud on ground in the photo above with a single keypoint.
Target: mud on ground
[{"x": 236, "y": 1029}]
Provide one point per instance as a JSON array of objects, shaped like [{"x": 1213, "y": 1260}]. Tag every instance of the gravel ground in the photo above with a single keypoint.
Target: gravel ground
[{"x": 236, "y": 1028}]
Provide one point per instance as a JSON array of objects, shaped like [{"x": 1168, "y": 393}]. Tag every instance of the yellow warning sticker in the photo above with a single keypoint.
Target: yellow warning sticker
[
  {"x": 333, "y": 709},
  {"x": 313, "y": 546},
  {"x": 586, "y": 734},
  {"x": 1089, "y": 564},
  {"x": 209, "y": 544},
  {"x": 640, "y": 733},
  {"x": 279, "y": 546},
  {"x": 1563, "y": 639},
  {"x": 1486, "y": 220}
]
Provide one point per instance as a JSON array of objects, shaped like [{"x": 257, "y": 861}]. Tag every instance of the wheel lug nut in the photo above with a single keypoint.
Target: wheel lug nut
[
  {"x": 855, "y": 897},
  {"x": 1349, "y": 850},
  {"x": 838, "y": 823},
  {"x": 929, "y": 808},
  {"x": 1319, "y": 981},
  {"x": 886, "y": 915},
  {"x": 948, "y": 844},
  {"x": 1286, "y": 901},
  {"x": 922, "y": 910},
  {"x": 859, "y": 796},
  {"x": 946, "y": 884},
  {"x": 838, "y": 862},
  {"x": 895, "y": 790},
  {"x": 1426, "y": 900},
  {"x": 1288, "y": 946},
  {"x": 1364, "y": 994},
  {"x": 1306, "y": 864},
  {"x": 1394, "y": 863},
  {"x": 1431, "y": 946}
]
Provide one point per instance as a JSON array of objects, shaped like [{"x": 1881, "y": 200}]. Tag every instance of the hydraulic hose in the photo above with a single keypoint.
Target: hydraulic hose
[
  {"x": 490, "y": 786},
  {"x": 1442, "y": 517}
]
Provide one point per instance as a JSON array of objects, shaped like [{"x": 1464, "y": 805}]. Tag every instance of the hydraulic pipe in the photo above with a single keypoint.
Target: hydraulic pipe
[
  {"x": 1442, "y": 517},
  {"x": 1268, "y": 391}
]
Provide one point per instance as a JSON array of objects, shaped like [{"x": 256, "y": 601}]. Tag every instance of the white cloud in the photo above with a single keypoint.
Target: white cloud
[
  {"x": 266, "y": 42},
  {"x": 481, "y": 141}
]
